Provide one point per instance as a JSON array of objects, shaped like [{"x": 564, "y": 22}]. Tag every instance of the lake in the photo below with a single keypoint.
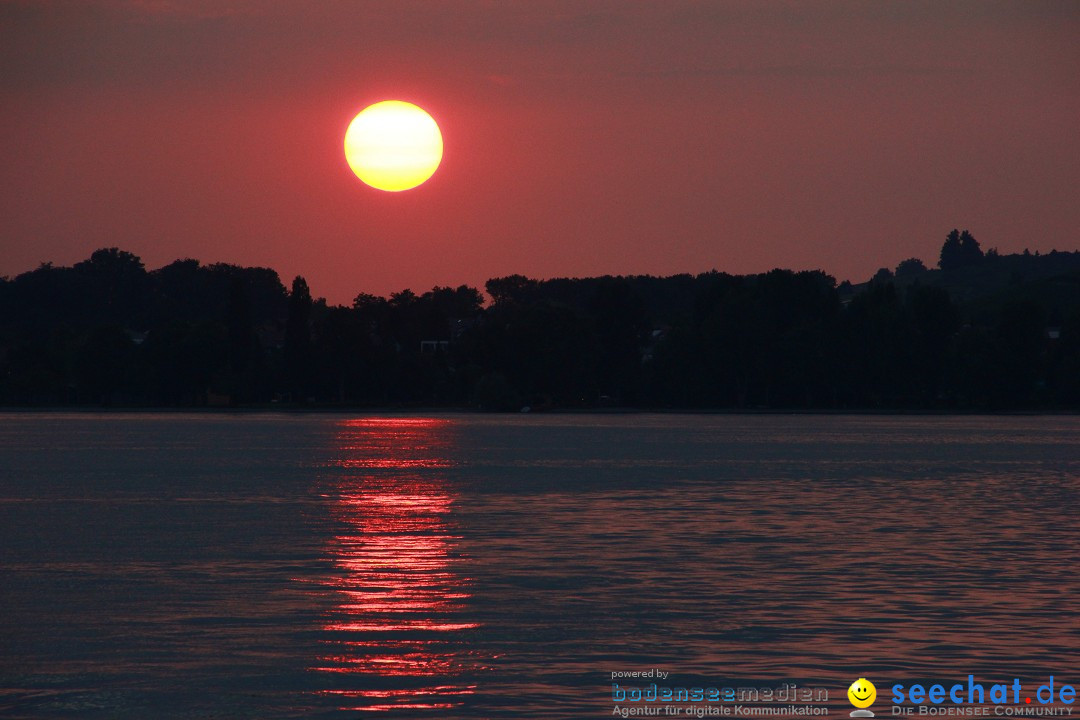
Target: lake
[{"x": 476, "y": 566}]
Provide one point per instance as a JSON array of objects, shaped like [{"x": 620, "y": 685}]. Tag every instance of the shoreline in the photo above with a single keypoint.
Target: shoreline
[{"x": 451, "y": 410}]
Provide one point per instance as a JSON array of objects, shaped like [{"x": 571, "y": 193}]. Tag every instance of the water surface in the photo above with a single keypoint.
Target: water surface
[{"x": 464, "y": 566}]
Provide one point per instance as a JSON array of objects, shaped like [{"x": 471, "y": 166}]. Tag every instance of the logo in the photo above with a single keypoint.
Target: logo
[{"x": 862, "y": 694}]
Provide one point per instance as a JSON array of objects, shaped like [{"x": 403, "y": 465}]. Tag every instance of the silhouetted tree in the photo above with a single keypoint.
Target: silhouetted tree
[
  {"x": 934, "y": 322},
  {"x": 1065, "y": 364},
  {"x": 878, "y": 347},
  {"x": 952, "y": 255},
  {"x": 1020, "y": 332},
  {"x": 298, "y": 338},
  {"x": 340, "y": 346},
  {"x": 512, "y": 289},
  {"x": 185, "y": 359},
  {"x": 619, "y": 318},
  {"x": 883, "y": 275},
  {"x": 910, "y": 268},
  {"x": 106, "y": 331},
  {"x": 244, "y": 352},
  {"x": 106, "y": 365},
  {"x": 494, "y": 393},
  {"x": 970, "y": 253},
  {"x": 113, "y": 283},
  {"x": 961, "y": 249}
]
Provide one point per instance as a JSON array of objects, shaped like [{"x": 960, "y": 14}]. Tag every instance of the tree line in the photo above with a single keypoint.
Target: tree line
[{"x": 984, "y": 331}]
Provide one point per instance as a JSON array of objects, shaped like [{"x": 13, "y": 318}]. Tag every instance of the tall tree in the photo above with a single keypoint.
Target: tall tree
[
  {"x": 970, "y": 252},
  {"x": 961, "y": 249},
  {"x": 952, "y": 255},
  {"x": 298, "y": 338}
]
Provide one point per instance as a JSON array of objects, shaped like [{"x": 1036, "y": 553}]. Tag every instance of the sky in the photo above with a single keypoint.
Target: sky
[{"x": 581, "y": 138}]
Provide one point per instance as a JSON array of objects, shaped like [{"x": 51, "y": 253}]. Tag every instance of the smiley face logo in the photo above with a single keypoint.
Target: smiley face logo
[{"x": 862, "y": 693}]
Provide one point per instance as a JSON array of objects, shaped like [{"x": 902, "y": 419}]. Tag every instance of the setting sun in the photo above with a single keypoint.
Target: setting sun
[{"x": 393, "y": 145}]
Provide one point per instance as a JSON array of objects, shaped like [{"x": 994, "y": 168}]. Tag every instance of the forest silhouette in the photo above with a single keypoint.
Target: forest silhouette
[{"x": 982, "y": 332}]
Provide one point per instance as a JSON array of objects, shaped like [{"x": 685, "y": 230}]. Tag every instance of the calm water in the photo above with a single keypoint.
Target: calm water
[{"x": 267, "y": 566}]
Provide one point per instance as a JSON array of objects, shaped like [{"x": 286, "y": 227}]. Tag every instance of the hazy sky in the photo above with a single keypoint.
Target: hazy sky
[{"x": 582, "y": 138}]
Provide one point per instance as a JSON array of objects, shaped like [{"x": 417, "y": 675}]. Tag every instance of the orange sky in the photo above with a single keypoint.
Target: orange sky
[{"x": 582, "y": 138}]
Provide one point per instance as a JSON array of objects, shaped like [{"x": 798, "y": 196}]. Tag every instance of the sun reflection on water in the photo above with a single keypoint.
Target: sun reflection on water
[{"x": 397, "y": 629}]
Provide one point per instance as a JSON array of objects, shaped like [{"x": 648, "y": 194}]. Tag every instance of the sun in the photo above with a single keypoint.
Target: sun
[{"x": 393, "y": 145}]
